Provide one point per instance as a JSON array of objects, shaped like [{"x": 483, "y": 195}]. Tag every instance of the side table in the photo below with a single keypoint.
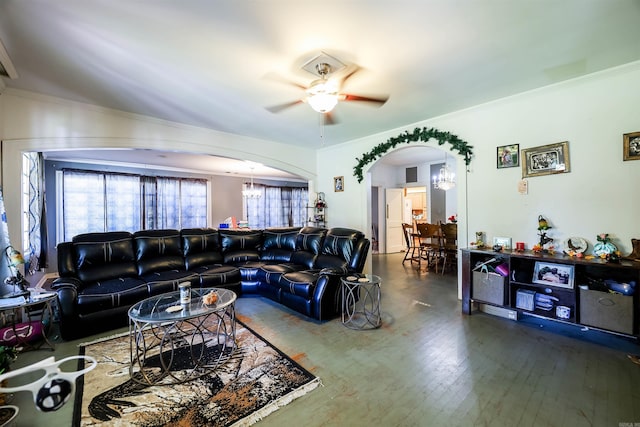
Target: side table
[
  {"x": 27, "y": 320},
  {"x": 361, "y": 302}
]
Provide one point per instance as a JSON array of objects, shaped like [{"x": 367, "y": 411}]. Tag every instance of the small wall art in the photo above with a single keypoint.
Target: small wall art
[
  {"x": 508, "y": 156},
  {"x": 546, "y": 160},
  {"x": 338, "y": 183},
  {"x": 631, "y": 146}
]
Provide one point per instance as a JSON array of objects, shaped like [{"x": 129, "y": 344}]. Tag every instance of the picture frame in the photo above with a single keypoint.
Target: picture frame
[
  {"x": 338, "y": 183},
  {"x": 546, "y": 160},
  {"x": 505, "y": 242},
  {"x": 631, "y": 146},
  {"x": 508, "y": 156},
  {"x": 550, "y": 274}
]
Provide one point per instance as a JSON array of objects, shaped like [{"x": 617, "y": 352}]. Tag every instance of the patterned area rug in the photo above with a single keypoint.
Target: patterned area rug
[{"x": 255, "y": 381}]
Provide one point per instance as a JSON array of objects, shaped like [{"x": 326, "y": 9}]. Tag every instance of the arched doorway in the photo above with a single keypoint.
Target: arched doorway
[{"x": 402, "y": 191}]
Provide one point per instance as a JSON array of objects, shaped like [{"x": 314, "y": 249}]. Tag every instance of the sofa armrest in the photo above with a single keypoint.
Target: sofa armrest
[
  {"x": 66, "y": 282},
  {"x": 335, "y": 271},
  {"x": 67, "y": 290}
]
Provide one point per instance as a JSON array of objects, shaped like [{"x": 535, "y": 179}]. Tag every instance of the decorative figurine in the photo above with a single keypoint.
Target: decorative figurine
[
  {"x": 605, "y": 249},
  {"x": 544, "y": 243}
]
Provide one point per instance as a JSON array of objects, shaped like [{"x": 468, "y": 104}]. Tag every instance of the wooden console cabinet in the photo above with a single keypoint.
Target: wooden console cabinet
[{"x": 606, "y": 311}]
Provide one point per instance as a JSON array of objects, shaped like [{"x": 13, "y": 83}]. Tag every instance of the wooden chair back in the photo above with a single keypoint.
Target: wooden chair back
[
  {"x": 430, "y": 235},
  {"x": 450, "y": 236}
]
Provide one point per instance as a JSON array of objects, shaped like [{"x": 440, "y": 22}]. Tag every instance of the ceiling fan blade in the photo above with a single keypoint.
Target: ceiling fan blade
[
  {"x": 278, "y": 78},
  {"x": 380, "y": 100},
  {"x": 354, "y": 69},
  {"x": 280, "y": 107},
  {"x": 329, "y": 119}
]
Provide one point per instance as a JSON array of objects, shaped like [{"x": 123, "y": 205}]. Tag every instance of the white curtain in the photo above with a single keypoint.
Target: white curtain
[
  {"x": 277, "y": 207},
  {"x": 4, "y": 241},
  {"x": 34, "y": 255}
]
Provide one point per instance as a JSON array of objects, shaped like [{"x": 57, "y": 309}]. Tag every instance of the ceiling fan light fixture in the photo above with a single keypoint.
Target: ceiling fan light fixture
[{"x": 322, "y": 96}]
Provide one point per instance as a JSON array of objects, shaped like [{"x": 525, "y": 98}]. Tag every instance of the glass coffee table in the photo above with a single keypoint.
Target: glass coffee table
[{"x": 172, "y": 343}]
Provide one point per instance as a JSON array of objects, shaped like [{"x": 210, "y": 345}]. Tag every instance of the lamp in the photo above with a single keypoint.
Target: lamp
[
  {"x": 251, "y": 192},
  {"x": 445, "y": 180},
  {"x": 322, "y": 95},
  {"x": 15, "y": 259}
]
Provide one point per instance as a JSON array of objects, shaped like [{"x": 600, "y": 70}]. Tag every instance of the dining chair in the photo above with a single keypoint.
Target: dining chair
[
  {"x": 430, "y": 243},
  {"x": 413, "y": 249},
  {"x": 449, "y": 245}
]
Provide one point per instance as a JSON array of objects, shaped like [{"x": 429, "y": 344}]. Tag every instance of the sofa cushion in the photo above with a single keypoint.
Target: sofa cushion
[
  {"x": 158, "y": 250},
  {"x": 201, "y": 246},
  {"x": 279, "y": 244},
  {"x": 159, "y": 282},
  {"x": 338, "y": 247},
  {"x": 102, "y": 256},
  {"x": 240, "y": 246},
  {"x": 270, "y": 273},
  {"x": 111, "y": 293},
  {"x": 300, "y": 283},
  {"x": 217, "y": 275},
  {"x": 308, "y": 244}
]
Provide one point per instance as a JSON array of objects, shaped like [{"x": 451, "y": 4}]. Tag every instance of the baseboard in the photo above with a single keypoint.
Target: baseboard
[{"x": 498, "y": 311}]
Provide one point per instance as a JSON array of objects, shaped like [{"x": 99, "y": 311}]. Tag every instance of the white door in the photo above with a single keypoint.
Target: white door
[
  {"x": 408, "y": 210},
  {"x": 394, "y": 215}
]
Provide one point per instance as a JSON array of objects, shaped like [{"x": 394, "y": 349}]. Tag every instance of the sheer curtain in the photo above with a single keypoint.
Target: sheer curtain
[
  {"x": 122, "y": 202},
  {"x": 98, "y": 201},
  {"x": 168, "y": 196},
  {"x": 35, "y": 240},
  {"x": 83, "y": 203},
  {"x": 5, "y": 271},
  {"x": 193, "y": 203},
  {"x": 277, "y": 207}
]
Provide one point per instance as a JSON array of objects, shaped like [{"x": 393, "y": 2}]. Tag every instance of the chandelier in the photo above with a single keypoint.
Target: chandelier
[
  {"x": 251, "y": 192},
  {"x": 445, "y": 180}
]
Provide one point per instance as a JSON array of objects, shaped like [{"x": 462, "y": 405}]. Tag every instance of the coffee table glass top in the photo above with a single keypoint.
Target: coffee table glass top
[{"x": 167, "y": 307}]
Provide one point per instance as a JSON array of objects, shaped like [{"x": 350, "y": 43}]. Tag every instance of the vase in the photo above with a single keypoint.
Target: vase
[{"x": 604, "y": 248}]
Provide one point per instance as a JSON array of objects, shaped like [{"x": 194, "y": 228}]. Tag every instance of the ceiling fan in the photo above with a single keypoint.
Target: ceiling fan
[{"x": 323, "y": 94}]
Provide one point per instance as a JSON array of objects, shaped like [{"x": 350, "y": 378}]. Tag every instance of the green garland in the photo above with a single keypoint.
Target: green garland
[{"x": 424, "y": 134}]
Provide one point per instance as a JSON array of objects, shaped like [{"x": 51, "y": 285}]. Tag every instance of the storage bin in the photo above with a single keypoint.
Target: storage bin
[
  {"x": 606, "y": 310},
  {"x": 488, "y": 287}
]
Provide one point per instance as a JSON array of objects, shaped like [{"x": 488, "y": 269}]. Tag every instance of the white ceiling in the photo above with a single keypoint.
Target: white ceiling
[{"x": 211, "y": 63}]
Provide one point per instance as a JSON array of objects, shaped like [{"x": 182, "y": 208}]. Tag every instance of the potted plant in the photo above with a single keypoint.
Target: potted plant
[{"x": 7, "y": 355}]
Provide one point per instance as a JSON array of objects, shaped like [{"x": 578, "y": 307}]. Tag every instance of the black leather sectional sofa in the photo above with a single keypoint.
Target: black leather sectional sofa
[{"x": 103, "y": 274}]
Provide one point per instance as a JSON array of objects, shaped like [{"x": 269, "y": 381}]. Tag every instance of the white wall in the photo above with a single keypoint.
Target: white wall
[{"x": 598, "y": 195}]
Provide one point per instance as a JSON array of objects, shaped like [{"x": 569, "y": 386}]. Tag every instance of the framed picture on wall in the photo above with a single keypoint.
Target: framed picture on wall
[
  {"x": 338, "y": 183},
  {"x": 508, "y": 156},
  {"x": 631, "y": 146},
  {"x": 546, "y": 160}
]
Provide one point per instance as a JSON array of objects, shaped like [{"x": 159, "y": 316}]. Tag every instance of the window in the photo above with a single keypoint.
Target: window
[
  {"x": 102, "y": 201},
  {"x": 277, "y": 207}
]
